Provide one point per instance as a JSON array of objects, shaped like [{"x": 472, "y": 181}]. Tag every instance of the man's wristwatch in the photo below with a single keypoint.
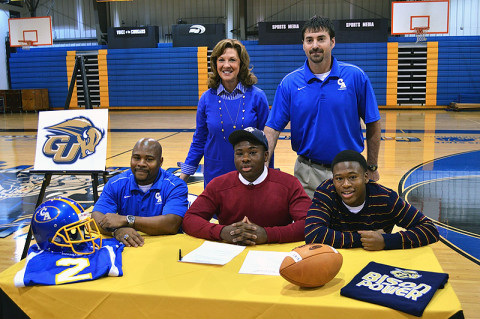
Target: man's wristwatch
[
  {"x": 130, "y": 220},
  {"x": 372, "y": 168}
]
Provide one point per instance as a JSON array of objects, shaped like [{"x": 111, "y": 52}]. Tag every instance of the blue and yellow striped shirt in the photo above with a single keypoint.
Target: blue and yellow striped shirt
[{"x": 330, "y": 222}]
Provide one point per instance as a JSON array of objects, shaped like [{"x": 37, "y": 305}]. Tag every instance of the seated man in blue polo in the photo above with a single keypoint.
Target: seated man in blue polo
[{"x": 145, "y": 198}]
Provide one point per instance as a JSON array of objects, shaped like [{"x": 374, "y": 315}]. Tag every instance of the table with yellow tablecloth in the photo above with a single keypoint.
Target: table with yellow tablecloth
[{"x": 156, "y": 285}]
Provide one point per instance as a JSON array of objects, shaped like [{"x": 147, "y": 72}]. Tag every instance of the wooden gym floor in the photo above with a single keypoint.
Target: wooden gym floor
[{"x": 432, "y": 157}]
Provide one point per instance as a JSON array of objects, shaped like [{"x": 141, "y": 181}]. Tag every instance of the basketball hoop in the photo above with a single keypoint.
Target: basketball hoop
[
  {"x": 421, "y": 34},
  {"x": 26, "y": 44}
]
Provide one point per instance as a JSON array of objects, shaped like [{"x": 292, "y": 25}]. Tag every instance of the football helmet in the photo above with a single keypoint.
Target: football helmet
[{"x": 61, "y": 225}]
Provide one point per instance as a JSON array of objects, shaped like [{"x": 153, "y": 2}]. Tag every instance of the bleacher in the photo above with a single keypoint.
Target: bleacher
[
  {"x": 164, "y": 76},
  {"x": 168, "y": 77},
  {"x": 458, "y": 69}
]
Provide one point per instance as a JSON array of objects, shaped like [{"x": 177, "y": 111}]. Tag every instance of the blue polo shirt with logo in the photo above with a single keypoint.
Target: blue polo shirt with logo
[
  {"x": 168, "y": 195},
  {"x": 324, "y": 115}
]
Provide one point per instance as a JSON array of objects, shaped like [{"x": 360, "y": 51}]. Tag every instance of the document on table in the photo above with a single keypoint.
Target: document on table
[
  {"x": 263, "y": 262},
  {"x": 213, "y": 253}
]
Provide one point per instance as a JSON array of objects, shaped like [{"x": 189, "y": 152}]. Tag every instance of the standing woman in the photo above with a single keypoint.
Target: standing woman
[{"x": 231, "y": 103}]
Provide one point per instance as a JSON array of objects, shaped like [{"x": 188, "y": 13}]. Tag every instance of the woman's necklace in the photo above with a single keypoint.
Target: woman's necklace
[{"x": 240, "y": 105}]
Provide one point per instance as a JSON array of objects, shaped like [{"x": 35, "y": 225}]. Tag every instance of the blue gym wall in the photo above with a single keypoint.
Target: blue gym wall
[{"x": 167, "y": 76}]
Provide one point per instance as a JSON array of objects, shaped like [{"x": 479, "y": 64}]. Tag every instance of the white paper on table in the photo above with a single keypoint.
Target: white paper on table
[
  {"x": 263, "y": 262},
  {"x": 213, "y": 253}
]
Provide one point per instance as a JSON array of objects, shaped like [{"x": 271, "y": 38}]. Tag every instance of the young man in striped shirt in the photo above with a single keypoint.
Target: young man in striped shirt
[{"x": 351, "y": 211}]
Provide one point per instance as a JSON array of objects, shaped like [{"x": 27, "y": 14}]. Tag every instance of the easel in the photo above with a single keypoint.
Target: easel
[
  {"x": 79, "y": 66},
  {"x": 46, "y": 182}
]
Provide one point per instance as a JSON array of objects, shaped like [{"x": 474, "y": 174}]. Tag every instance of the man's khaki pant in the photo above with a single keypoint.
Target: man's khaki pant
[{"x": 311, "y": 175}]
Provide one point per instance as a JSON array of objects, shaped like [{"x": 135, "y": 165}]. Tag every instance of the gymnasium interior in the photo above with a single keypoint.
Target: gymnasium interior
[{"x": 147, "y": 63}]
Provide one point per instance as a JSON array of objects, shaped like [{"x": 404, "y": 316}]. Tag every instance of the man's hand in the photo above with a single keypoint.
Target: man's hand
[
  {"x": 372, "y": 239},
  {"x": 244, "y": 233},
  {"x": 230, "y": 235},
  {"x": 129, "y": 236},
  {"x": 254, "y": 232},
  {"x": 112, "y": 221},
  {"x": 374, "y": 176}
]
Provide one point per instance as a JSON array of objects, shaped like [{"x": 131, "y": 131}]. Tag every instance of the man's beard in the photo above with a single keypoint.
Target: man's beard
[{"x": 318, "y": 58}]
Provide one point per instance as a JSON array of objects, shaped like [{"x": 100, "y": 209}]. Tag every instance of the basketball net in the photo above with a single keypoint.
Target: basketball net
[
  {"x": 421, "y": 34},
  {"x": 26, "y": 44}
]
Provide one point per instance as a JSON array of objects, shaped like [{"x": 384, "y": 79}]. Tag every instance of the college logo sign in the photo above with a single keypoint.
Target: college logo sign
[
  {"x": 197, "y": 29},
  {"x": 72, "y": 140}
]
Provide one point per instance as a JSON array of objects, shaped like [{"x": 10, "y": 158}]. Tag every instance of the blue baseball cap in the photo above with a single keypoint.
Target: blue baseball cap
[{"x": 248, "y": 134}]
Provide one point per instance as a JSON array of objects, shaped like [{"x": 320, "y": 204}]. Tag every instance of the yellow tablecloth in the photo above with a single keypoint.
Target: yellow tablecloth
[{"x": 156, "y": 285}]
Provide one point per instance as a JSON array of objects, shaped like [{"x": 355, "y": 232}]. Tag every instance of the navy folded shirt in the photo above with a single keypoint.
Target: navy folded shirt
[{"x": 406, "y": 290}]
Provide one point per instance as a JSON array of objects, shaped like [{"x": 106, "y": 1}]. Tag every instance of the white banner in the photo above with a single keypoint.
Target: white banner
[{"x": 72, "y": 140}]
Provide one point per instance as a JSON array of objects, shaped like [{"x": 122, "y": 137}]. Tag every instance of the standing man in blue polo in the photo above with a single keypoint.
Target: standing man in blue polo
[
  {"x": 145, "y": 198},
  {"x": 325, "y": 101}
]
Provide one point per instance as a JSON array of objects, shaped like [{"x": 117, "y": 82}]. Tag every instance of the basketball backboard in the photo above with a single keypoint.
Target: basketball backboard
[
  {"x": 407, "y": 16},
  {"x": 30, "y": 31}
]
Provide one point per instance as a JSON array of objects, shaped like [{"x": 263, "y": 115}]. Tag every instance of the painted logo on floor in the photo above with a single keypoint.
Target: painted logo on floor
[{"x": 19, "y": 191}]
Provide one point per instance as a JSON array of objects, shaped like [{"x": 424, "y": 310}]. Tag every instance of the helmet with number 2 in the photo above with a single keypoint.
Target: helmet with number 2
[{"x": 61, "y": 225}]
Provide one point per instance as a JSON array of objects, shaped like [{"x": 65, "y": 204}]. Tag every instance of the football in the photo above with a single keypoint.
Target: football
[{"x": 311, "y": 265}]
